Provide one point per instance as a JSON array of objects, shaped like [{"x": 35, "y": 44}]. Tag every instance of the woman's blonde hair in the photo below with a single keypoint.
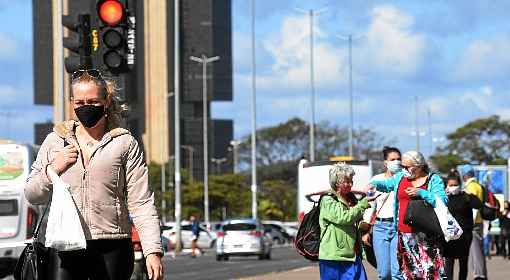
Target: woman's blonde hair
[{"x": 109, "y": 90}]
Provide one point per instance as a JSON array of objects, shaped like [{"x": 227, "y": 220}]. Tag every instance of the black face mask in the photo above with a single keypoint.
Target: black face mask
[{"x": 89, "y": 115}]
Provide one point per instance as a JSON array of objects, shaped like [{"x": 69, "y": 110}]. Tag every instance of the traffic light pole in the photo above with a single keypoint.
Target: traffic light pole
[{"x": 58, "y": 62}]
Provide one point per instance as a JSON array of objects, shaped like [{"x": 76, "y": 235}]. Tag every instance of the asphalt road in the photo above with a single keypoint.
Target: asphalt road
[{"x": 206, "y": 266}]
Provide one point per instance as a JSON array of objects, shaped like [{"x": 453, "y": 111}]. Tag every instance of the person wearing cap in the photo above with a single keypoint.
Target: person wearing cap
[{"x": 471, "y": 186}]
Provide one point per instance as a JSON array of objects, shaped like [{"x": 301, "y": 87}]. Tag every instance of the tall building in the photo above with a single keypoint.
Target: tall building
[{"x": 205, "y": 29}]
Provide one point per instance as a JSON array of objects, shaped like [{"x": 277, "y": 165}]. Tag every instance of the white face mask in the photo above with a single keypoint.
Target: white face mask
[
  {"x": 453, "y": 190},
  {"x": 394, "y": 166},
  {"x": 408, "y": 174}
]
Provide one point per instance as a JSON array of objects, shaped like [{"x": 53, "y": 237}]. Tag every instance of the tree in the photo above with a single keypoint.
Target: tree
[
  {"x": 485, "y": 140},
  {"x": 289, "y": 141}
]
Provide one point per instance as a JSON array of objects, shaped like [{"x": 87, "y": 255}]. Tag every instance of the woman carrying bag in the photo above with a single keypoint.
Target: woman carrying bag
[
  {"x": 107, "y": 174},
  {"x": 419, "y": 255},
  {"x": 460, "y": 205}
]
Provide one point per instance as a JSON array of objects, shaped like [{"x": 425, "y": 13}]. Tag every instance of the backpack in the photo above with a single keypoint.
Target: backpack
[
  {"x": 308, "y": 237},
  {"x": 490, "y": 207}
]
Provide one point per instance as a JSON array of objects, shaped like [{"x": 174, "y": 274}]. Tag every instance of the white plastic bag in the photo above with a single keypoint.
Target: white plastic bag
[
  {"x": 450, "y": 226},
  {"x": 64, "y": 231}
]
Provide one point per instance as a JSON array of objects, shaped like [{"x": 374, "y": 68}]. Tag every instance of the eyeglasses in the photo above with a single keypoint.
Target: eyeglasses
[
  {"x": 406, "y": 167},
  {"x": 91, "y": 72}
]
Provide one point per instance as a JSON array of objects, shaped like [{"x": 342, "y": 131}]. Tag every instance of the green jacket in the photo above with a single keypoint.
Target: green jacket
[{"x": 339, "y": 228}]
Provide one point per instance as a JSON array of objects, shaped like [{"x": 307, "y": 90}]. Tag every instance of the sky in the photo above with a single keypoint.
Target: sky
[{"x": 453, "y": 57}]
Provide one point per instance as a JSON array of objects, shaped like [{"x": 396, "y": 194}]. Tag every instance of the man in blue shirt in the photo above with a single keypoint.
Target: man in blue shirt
[{"x": 195, "y": 232}]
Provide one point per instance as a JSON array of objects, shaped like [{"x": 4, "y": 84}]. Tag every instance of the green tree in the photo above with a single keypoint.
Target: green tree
[
  {"x": 484, "y": 140},
  {"x": 289, "y": 141}
]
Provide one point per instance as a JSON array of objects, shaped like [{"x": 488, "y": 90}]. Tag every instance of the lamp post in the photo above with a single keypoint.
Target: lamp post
[
  {"x": 204, "y": 60},
  {"x": 190, "y": 150},
  {"x": 177, "y": 125},
  {"x": 253, "y": 118},
  {"x": 351, "y": 104},
  {"x": 311, "y": 13},
  {"x": 235, "y": 145},
  {"x": 163, "y": 167},
  {"x": 218, "y": 162}
]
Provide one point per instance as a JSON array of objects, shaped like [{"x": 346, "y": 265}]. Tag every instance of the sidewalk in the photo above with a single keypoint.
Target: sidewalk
[
  {"x": 497, "y": 267},
  {"x": 309, "y": 272}
]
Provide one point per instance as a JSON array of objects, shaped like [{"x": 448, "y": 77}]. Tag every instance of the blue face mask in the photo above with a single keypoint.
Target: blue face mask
[{"x": 394, "y": 166}]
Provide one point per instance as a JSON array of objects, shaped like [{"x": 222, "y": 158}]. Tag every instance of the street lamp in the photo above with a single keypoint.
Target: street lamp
[
  {"x": 235, "y": 145},
  {"x": 312, "y": 13},
  {"x": 177, "y": 125},
  {"x": 204, "y": 60},
  {"x": 351, "y": 111},
  {"x": 190, "y": 150},
  {"x": 253, "y": 118},
  {"x": 163, "y": 167},
  {"x": 218, "y": 162}
]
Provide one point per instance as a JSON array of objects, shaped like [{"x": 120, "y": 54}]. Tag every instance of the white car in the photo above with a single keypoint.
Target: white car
[
  {"x": 243, "y": 237},
  {"x": 206, "y": 238}
]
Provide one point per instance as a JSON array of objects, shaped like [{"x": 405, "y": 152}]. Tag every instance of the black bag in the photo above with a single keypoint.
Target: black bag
[
  {"x": 308, "y": 237},
  {"x": 421, "y": 217},
  {"x": 33, "y": 261}
]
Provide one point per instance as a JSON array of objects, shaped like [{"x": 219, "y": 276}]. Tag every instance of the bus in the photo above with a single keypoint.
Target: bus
[
  {"x": 18, "y": 218},
  {"x": 313, "y": 177}
]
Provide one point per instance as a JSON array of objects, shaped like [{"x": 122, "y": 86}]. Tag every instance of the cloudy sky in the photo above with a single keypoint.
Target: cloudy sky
[{"x": 453, "y": 57}]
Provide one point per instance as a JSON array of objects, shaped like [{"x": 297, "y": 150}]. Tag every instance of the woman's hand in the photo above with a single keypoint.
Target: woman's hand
[
  {"x": 366, "y": 239},
  {"x": 154, "y": 267},
  {"x": 65, "y": 158},
  {"x": 412, "y": 191}
]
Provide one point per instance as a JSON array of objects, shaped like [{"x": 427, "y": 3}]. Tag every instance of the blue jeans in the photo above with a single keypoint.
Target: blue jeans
[{"x": 385, "y": 242}]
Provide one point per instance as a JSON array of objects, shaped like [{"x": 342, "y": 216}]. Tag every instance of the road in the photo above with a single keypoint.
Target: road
[{"x": 206, "y": 267}]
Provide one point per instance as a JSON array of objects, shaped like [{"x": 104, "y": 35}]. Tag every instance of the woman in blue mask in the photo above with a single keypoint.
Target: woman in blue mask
[
  {"x": 419, "y": 255},
  {"x": 381, "y": 216}
]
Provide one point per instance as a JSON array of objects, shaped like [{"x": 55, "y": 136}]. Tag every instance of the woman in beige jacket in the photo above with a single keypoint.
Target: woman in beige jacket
[{"x": 105, "y": 167}]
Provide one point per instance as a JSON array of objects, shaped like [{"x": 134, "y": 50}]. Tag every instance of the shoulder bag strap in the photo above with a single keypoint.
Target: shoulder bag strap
[{"x": 374, "y": 216}]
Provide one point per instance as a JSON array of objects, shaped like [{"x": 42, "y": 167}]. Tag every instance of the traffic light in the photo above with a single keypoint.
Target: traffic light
[
  {"x": 78, "y": 43},
  {"x": 115, "y": 35}
]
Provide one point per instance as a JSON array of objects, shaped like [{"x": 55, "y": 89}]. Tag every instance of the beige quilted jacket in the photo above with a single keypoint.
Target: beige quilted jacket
[{"x": 112, "y": 186}]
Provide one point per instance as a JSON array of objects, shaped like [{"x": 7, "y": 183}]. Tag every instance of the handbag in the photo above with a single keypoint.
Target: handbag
[
  {"x": 33, "y": 261},
  {"x": 420, "y": 215}
]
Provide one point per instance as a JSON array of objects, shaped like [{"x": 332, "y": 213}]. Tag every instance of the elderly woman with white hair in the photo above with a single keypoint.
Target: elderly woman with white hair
[
  {"x": 419, "y": 255},
  {"x": 340, "y": 248}
]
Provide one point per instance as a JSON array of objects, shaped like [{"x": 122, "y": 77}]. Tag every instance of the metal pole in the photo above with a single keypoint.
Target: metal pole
[
  {"x": 58, "y": 52},
  {"x": 163, "y": 179},
  {"x": 351, "y": 114},
  {"x": 253, "y": 119},
  {"x": 430, "y": 131},
  {"x": 177, "y": 134},
  {"x": 416, "y": 124},
  {"x": 312, "y": 88},
  {"x": 234, "y": 151},
  {"x": 190, "y": 159},
  {"x": 206, "y": 156}
]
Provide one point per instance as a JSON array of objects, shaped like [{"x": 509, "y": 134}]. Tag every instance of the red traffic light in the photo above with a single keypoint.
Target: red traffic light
[{"x": 111, "y": 12}]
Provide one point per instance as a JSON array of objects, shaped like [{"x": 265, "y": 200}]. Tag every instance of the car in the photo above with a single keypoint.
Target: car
[
  {"x": 243, "y": 237},
  {"x": 278, "y": 231},
  {"x": 206, "y": 238}
]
